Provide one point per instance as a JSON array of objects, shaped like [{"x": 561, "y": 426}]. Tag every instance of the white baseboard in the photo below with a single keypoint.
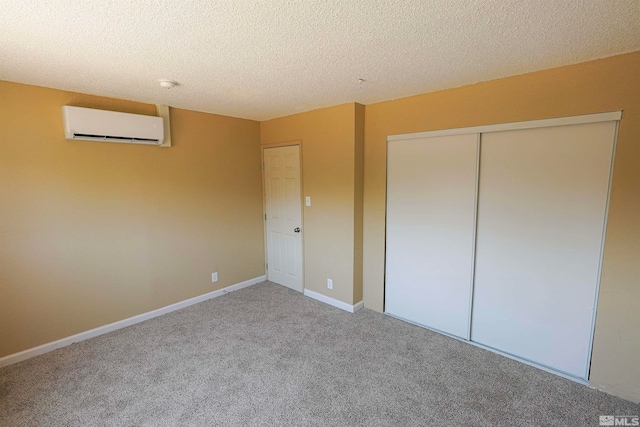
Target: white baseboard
[
  {"x": 334, "y": 302},
  {"x": 45, "y": 348},
  {"x": 623, "y": 392}
]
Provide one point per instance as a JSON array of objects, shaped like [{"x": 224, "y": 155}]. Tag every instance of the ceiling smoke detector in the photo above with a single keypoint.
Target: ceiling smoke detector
[{"x": 167, "y": 84}]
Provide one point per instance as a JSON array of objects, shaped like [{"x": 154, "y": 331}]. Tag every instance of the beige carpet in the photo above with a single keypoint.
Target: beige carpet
[{"x": 266, "y": 355}]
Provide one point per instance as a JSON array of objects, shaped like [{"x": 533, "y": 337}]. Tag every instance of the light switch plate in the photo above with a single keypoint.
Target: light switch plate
[{"x": 307, "y": 201}]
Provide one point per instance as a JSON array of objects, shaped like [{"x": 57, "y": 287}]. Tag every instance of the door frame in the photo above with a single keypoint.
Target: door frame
[{"x": 263, "y": 147}]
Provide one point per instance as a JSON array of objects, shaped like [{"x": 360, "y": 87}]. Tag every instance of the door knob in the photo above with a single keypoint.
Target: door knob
[{"x": 297, "y": 229}]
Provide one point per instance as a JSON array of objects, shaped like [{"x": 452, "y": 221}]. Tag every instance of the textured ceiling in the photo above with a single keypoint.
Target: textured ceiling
[{"x": 268, "y": 58}]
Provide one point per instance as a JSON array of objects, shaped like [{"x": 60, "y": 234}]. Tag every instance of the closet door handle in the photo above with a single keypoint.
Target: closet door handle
[{"x": 297, "y": 229}]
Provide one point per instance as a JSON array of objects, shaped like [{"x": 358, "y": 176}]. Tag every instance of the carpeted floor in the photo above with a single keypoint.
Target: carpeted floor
[{"x": 266, "y": 355}]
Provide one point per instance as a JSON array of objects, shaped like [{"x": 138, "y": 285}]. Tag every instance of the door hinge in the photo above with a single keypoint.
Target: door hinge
[
  {"x": 262, "y": 165},
  {"x": 265, "y": 217},
  {"x": 266, "y": 266}
]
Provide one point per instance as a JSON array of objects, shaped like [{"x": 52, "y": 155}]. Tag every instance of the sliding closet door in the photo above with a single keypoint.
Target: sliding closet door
[
  {"x": 431, "y": 190},
  {"x": 541, "y": 214}
]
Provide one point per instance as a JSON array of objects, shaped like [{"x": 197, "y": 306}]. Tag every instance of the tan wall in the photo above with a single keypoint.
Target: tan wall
[
  {"x": 358, "y": 203},
  {"x": 598, "y": 86},
  {"x": 92, "y": 233},
  {"x": 328, "y": 177}
]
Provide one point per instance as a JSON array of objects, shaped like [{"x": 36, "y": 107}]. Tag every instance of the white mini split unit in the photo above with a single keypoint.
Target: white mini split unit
[{"x": 110, "y": 126}]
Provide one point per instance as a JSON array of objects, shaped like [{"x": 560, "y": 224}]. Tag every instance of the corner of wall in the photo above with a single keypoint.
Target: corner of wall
[{"x": 358, "y": 202}]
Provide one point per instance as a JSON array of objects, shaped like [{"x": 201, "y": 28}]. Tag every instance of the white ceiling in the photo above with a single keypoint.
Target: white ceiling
[{"x": 261, "y": 59}]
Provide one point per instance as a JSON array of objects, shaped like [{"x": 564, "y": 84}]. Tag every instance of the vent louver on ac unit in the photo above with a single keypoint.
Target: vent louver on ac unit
[
  {"x": 110, "y": 126},
  {"x": 111, "y": 138}
]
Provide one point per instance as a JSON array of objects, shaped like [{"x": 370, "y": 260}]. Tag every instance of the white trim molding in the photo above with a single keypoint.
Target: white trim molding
[
  {"x": 623, "y": 392},
  {"x": 45, "y": 348},
  {"x": 544, "y": 123},
  {"x": 334, "y": 302}
]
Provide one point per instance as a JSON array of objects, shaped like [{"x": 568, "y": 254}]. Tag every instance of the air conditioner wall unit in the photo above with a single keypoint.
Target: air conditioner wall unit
[{"x": 111, "y": 126}]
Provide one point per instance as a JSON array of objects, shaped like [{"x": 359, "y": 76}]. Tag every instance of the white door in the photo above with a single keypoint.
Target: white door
[
  {"x": 431, "y": 199},
  {"x": 283, "y": 216},
  {"x": 541, "y": 218}
]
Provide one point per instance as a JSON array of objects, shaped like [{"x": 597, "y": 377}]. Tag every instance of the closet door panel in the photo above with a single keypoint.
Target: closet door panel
[
  {"x": 541, "y": 213},
  {"x": 431, "y": 190}
]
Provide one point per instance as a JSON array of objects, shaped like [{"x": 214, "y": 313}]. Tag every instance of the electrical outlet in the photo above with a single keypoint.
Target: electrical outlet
[
  {"x": 329, "y": 283},
  {"x": 214, "y": 277}
]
